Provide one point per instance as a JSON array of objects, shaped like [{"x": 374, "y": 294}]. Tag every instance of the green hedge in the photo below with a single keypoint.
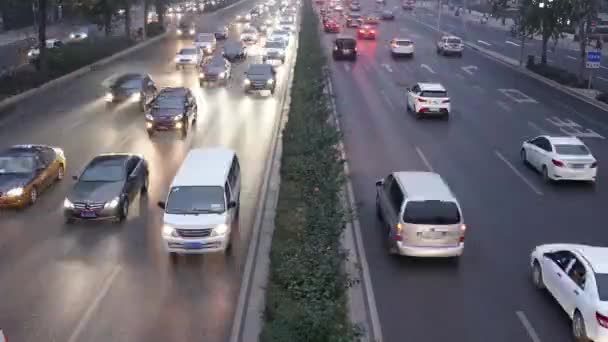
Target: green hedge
[
  {"x": 155, "y": 29},
  {"x": 558, "y": 75},
  {"x": 306, "y": 294},
  {"x": 74, "y": 56}
]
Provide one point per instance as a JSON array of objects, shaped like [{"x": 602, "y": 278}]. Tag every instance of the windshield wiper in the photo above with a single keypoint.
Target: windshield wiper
[{"x": 200, "y": 210}]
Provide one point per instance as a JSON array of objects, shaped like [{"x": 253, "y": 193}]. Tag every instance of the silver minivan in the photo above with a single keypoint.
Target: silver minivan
[{"x": 421, "y": 215}]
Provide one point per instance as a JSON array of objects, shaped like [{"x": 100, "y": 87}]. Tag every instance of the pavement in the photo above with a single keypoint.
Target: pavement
[
  {"x": 96, "y": 281},
  {"x": 493, "y": 36},
  {"x": 487, "y": 295}
]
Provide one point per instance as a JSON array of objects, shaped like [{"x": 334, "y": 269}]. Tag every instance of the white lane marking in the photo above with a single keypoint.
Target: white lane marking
[
  {"x": 387, "y": 99},
  {"x": 541, "y": 130},
  {"x": 512, "y": 43},
  {"x": 428, "y": 68},
  {"x": 572, "y": 128},
  {"x": 469, "y": 69},
  {"x": 484, "y": 43},
  {"x": 424, "y": 160},
  {"x": 387, "y": 67},
  {"x": 503, "y": 105},
  {"x": 602, "y": 78},
  {"x": 347, "y": 67},
  {"x": 517, "y": 96},
  {"x": 603, "y": 67},
  {"x": 461, "y": 76},
  {"x": 570, "y": 57},
  {"x": 528, "y": 326},
  {"x": 519, "y": 174},
  {"x": 84, "y": 320}
]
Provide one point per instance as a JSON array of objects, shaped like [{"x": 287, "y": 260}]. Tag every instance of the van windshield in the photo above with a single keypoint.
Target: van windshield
[
  {"x": 196, "y": 200},
  {"x": 431, "y": 212},
  {"x": 346, "y": 43}
]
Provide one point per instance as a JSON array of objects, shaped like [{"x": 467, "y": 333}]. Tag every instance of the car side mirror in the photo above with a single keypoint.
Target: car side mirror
[
  {"x": 75, "y": 177},
  {"x": 231, "y": 204},
  {"x": 408, "y": 89},
  {"x": 380, "y": 182},
  {"x": 161, "y": 205}
]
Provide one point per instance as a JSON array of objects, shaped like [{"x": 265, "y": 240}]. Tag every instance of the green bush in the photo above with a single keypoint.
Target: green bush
[
  {"x": 306, "y": 294},
  {"x": 20, "y": 81},
  {"x": 155, "y": 29},
  {"x": 76, "y": 55},
  {"x": 557, "y": 74}
]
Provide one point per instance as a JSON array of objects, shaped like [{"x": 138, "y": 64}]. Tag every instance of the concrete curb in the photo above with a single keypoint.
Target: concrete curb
[{"x": 13, "y": 100}]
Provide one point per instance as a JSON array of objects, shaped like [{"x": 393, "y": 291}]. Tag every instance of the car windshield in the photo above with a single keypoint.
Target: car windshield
[
  {"x": 453, "y": 41},
  {"x": 17, "y": 164},
  {"x": 130, "y": 84},
  {"x": 573, "y": 150},
  {"x": 273, "y": 45},
  {"x": 103, "y": 172},
  {"x": 431, "y": 212},
  {"x": 434, "y": 93},
  {"x": 205, "y": 38},
  {"x": 185, "y": 25},
  {"x": 188, "y": 51},
  {"x": 216, "y": 62},
  {"x": 259, "y": 70},
  {"x": 281, "y": 33},
  {"x": 195, "y": 200},
  {"x": 249, "y": 31},
  {"x": 601, "y": 280},
  {"x": 347, "y": 43},
  {"x": 403, "y": 42},
  {"x": 169, "y": 102}
]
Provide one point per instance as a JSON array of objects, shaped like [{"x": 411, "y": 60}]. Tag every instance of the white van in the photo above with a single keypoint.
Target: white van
[
  {"x": 202, "y": 206},
  {"x": 422, "y": 216}
]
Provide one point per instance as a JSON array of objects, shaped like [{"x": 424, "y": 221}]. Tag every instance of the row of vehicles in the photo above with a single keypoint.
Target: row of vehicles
[{"x": 422, "y": 217}]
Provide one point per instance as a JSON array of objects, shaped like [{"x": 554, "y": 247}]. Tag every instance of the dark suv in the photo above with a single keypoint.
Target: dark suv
[
  {"x": 345, "y": 48},
  {"x": 134, "y": 88},
  {"x": 172, "y": 109},
  {"x": 260, "y": 77}
]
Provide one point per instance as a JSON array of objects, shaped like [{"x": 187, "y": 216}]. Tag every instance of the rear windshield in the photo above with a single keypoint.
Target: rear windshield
[
  {"x": 431, "y": 212},
  {"x": 601, "y": 280},
  {"x": 573, "y": 150},
  {"x": 346, "y": 43},
  {"x": 187, "y": 52},
  {"x": 403, "y": 43},
  {"x": 453, "y": 41},
  {"x": 434, "y": 94}
]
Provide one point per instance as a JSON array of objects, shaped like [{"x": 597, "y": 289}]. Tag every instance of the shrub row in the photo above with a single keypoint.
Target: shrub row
[
  {"x": 306, "y": 294},
  {"x": 558, "y": 75}
]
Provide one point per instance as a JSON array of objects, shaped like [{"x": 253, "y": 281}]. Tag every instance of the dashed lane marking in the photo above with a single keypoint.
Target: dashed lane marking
[
  {"x": 602, "y": 78},
  {"x": 518, "y": 174},
  {"x": 479, "y": 88},
  {"x": 387, "y": 67},
  {"x": 428, "y": 68},
  {"x": 484, "y": 43},
  {"x": 517, "y": 96},
  {"x": 424, "y": 160},
  {"x": 503, "y": 105},
  {"x": 469, "y": 69},
  {"x": 570, "y": 57},
  {"x": 347, "y": 67},
  {"x": 512, "y": 43},
  {"x": 528, "y": 326}
]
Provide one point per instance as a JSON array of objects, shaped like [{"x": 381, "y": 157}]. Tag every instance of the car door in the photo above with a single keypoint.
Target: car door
[
  {"x": 574, "y": 294},
  {"x": 234, "y": 177},
  {"x": 132, "y": 182},
  {"x": 545, "y": 152},
  {"x": 229, "y": 198},
  {"x": 554, "y": 267},
  {"x": 47, "y": 158},
  {"x": 533, "y": 152},
  {"x": 411, "y": 96}
]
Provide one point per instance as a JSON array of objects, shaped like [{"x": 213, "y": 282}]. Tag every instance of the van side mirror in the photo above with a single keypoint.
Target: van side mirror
[
  {"x": 380, "y": 182},
  {"x": 162, "y": 205},
  {"x": 231, "y": 204}
]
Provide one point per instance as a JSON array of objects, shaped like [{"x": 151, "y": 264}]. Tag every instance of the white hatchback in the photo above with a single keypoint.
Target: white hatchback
[
  {"x": 560, "y": 158},
  {"x": 188, "y": 56},
  {"x": 401, "y": 47},
  {"x": 428, "y": 99}
]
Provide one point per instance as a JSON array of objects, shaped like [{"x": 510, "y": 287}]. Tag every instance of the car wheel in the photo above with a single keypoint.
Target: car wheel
[
  {"x": 523, "y": 156},
  {"x": 392, "y": 250},
  {"x": 378, "y": 209},
  {"x": 537, "y": 276},
  {"x": 446, "y": 116},
  {"x": 418, "y": 115},
  {"x": 546, "y": 177},
  {"x": 33, "y": 197},
  {"x": 150, "y": 133},
  {"x": 124, "y": 211},
  {"x": 173, "y": 257},
  {"x": 60, "y": 172},
  {"x": 578, "y": 328},
  {"x": 185, "y": 130},
  {"x": 145, "y": 187}
]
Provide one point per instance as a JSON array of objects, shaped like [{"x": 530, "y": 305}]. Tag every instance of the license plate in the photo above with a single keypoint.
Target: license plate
[
  {"x": 161, "y": 128},
  {"x": 346, "y": 51},
  {"x": 88, "y": 214},
  {"x": 578, "y": 166},
  {"x": 193, "y": 245},
  {"x": 433, "y": 109},
  {"x": 433, "y": 235}
]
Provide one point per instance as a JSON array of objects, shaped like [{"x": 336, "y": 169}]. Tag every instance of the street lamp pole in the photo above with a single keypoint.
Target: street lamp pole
[{"x": 439, "y": 16}]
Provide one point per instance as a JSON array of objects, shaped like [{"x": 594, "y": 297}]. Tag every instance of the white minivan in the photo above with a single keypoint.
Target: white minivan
[{"x": 201, "y": 209}]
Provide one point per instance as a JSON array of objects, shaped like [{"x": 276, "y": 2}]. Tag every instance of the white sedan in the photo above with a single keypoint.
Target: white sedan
[
  {"x": 577, "y": 277},
  {"x": 401, "y": 47},
  {"x": 560, "y": 158}
]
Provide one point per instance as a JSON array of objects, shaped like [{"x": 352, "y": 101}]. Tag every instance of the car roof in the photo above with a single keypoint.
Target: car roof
[
  {"x": 115, "y": 158},
  {"x": 397, "y": 39},
  {"x": 451, "y": 37},
  {"x": 431, "y": 87},
  {"x": 597, "y": 257},
  {"x": 424, "y": 185},
  {"x": 345, "y": 37},
  {"x": 205, "y": 167},
  {"x": 173, "y": 91},
  {"x": 129, "y": 77},
  {"x": 564, "y": 140}
]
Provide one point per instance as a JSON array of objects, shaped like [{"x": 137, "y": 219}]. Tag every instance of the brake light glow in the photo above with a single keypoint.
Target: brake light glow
[
  {"x": 373, "y": 31},
  {"x": 557, "y": 163},
  {"x": 601, "y": 319},
  {"x": 446, "y": 101},
  {"x": 593, "y": 165},
  {"x": 399, "y": 228}
]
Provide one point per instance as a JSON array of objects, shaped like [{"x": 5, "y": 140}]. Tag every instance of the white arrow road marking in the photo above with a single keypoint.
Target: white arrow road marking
[
  {"x": 424, "y": 160},
  {"x": 503, "y": 105},
  {"x": 510, "y": 42},
  {"x": 387, "y": 67},
  {"x": 602, "y": 78},
  {"x": 572, "y": 128},
  {"x": 570, "y": 57},
  {"x": 469, "y": 69},
  {"x": 484, "y": 43},
  {"x": 517, "y": 96},
  {"x": 428, "y": 68}
]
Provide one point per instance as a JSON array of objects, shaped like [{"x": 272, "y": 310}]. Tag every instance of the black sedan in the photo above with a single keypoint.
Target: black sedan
[
  {"x": 260, "y": 77},
  {"x": 173, "y": 109},
  {"x": 221, "y": 33},
  {"x": 215, "y": 69},
  {"x": 106, "y": 187},
  {"x": 135, "y": 88},
  {"x": 387, "y": 15},
  {"x": 234, "y": 51}
]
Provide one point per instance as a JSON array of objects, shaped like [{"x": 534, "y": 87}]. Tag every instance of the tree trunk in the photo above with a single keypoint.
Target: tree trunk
[
  {"x": 160, "y": 11},
  {"x": 582, "y": 67},
  {"x": 545, "y": 45},
  {"x": 146, "y": 11},
  {"x": 42, "y": 59},
  {"x": 128, "y": 19},
  {"x": 107, "y": 20}
]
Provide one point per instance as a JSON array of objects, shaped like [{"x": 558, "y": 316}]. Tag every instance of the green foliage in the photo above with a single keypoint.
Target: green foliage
[
  {"x": 307, "y": 286},
  {"x": 76, "y": 55},
  {"x": 499, "y": 7},
  {"x": 558, "y": 75},
  {"x": 154, "y": 29}
]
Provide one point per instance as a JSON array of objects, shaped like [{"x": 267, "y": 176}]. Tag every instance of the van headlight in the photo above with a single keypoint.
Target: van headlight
[
  {"x": 191, "y": 31},
  {"x": 112, "y": 204},
  {"x": 247, "y": 82},
  {"x": 179, "y": 32},
  {"x": 222, "y": 75},
  {"x": 136, "y": 97},
  {"x": 72, "y": 36},
  {"x": 270, "y": 81},
  {"x": 178, "y": 117},
  {"x": 14, "y": 192},
  {"x": 149, "y": 117},
  {"x": 68, "y": 204},
  {"x": 109, "y": 97},
  {"x": 219, "y": 230},
  {"x": 169, "y": 231}
]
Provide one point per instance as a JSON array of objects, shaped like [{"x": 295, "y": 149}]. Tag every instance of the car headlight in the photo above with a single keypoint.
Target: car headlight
[
  {"x": 222, "y": 75},
  {"x": 14, "y": 192},
  {"x": 201, "y": 75},
  {"x": 149, "y": 117},
  {"x": 169, "y": 231},
  {"x": 30, "y": 53},
  {"x": 247, "y": 82},
  {"x": 178, "y": 117},
  {"x": 72, "y": 36},
  {"x": 270, "y": 81},
  {"x": 109, "y": 97},
  {"x": 68, "y": 204},
  {"x": 179, "y": 32},
  {"x": 220, "y": 229},
  {"x": 136, "y": 97},
  {"x": 112, "y": 204},
  {"x": 335, "y": 48},
  {"x": 191, "y": 31}
]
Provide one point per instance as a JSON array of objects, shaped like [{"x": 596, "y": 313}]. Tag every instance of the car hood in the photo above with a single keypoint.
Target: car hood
[
  {"x": 165, "y": 112},
  {"x": 190, "y": 221},
  {"x": 186, "y": 57},
  {"x": 273, "y": 50},
  {"x": 259, "y": 77},
  {"x": 10, "y": 181},
  {"x": 95, "y": 191},
  {"x": 213, "y": 70}
]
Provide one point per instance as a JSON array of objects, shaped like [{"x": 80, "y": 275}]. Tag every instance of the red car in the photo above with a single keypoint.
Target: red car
[
  {"x": 366, "y": 32},
  {"x": 331, "y": 26}
]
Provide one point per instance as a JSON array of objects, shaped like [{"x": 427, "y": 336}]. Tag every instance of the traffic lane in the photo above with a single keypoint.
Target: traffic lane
[{"x": 243, "y": 137}]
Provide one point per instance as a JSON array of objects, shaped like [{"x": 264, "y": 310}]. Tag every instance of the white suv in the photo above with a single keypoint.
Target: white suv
[
  {"x": 577, "y": 277},
  {"x": 428, "y": 99},
  {"x": 450, "y": 45},
  {"x": 401, "y": 47}
]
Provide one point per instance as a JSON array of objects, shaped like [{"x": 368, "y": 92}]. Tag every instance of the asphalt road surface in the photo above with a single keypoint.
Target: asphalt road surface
[
  {"x": 97, "y": 281},
  {"x": 487, "y": 295}
]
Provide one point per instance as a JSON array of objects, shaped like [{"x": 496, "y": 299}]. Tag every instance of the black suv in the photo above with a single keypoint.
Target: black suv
[
  {"x": 234, "y": 51},
  {"x": 135, "y": 88},
  {"x": 345, "y": 48},
  {"x": 186, "y": 30},
  {"x": 260, "y": 77},
  {"x": 172, "y": 109},
  {"x": 215, "y": 69}
]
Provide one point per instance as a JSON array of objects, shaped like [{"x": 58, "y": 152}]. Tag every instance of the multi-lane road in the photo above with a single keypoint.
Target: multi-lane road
[
  {"x": 487, "y": 295},
  {"x": 97, "y": 281}
]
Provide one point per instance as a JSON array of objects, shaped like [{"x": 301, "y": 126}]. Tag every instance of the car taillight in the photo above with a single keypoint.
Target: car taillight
[
  {"x": 593, "y": 165},
  {"x": 445, "y": 101},
  {"x": 463, "y": 229},
  {"x": 601, "y": 320},
  {"x": 557, "y": 163},
  {"x": 399, "y": 229},
  {"x": 394, "y": 46},
  {"x": 421, "y": 100},
  {"x": 361, "y": 31},
  {"x": 373, "y": 31}
]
